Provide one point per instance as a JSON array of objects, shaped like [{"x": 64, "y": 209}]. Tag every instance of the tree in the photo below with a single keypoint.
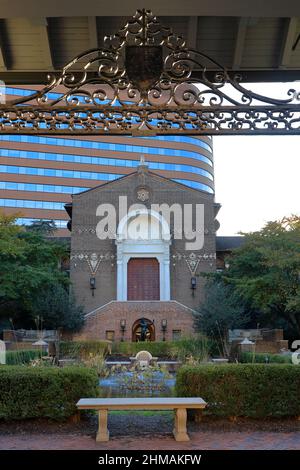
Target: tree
[
  {"x": 220, "y": 311},
  {"x": 28, "y": 264},
  {"x": 57, "y": 309},
  {"x": 44, "y": 227},
  {"x": 265, "y": 271}
]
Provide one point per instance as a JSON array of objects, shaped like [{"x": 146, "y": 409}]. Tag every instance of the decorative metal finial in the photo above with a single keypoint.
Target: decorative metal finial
[{"x": 143, "y": 165}]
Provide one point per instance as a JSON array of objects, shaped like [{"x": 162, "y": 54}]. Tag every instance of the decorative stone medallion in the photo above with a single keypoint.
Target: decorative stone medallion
[{"x": 143, "y": 194}]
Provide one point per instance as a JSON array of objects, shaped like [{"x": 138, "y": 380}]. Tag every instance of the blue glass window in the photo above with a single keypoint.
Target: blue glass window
[
  {"x": 58, "y": 173},
  {"x": 47, "y": 188},
  {"x": 27, "y": 221},
  {"x": 196, "y": 185},
  {"x": 32, "y": 204},
  {"x": 107, "y": 146},
  {"x": 101, "y": 161}
]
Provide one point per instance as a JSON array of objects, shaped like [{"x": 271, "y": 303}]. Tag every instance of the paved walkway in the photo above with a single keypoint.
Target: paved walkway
[{"x": 199, "y": 441}]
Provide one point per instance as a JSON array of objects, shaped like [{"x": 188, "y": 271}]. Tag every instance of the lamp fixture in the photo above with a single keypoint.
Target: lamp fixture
[
  {"x": 123, "y": 327},
  {"x": 164, "y": 324},
  {"x": 93, "y": 285}
]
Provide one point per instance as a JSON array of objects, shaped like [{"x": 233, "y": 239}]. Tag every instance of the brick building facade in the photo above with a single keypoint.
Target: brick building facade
[{"x": 116, "y": 294}]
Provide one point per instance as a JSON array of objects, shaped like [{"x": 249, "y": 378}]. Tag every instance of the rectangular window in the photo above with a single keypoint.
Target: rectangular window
[
  {"x": 176, "y": 335},
  {"x": 110, "y": 335}
]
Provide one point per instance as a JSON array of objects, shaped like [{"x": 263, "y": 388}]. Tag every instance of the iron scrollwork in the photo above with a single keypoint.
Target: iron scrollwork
[{"x": 146, "y": 81}]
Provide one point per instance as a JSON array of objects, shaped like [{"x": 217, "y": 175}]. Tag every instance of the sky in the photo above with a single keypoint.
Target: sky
[{"x": 257, "y": 178}]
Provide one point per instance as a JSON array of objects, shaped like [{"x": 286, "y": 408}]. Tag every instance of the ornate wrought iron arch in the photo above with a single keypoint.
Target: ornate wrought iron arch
[{"x": 145, "y": 81}]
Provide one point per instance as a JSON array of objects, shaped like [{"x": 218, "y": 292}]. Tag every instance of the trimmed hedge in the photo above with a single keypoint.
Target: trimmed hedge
[
  {"x": 83, "y": 349},
  {"x": 260, "y": 358},
  {"x": 251, "y": 390},
  {"x": 23, "y": 356},
  {"x": 38, "y": 392},
  {"x": 197, "y": 346},
  {"x": 156, "y": 348}
]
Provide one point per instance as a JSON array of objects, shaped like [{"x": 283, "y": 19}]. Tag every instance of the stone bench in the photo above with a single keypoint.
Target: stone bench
[{"x": 179, "y": 405}]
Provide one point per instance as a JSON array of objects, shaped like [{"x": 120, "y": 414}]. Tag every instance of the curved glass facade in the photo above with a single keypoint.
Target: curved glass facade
[
  {"x": 43, "y": 188},
  {"x": 38, "y": 172},
  {"x": 25, "y": 170},
  {"x": 100, "y": 145},
  {"x": 103, "y": 161},
  {"x": 51, "y": 188},
  {"x": 57, "y": 206}
]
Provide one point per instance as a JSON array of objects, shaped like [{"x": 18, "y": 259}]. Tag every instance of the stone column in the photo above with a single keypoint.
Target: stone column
[
  {"x": 102, "y": 434},
  {"x": 179, "y": 431},
  {"x": 120, "y": 269},
  {"x": 166, "y": 280},
  {"x": 165, "y": 272}
]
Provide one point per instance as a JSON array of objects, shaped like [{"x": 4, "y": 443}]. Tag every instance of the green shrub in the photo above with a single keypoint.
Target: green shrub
[
  {"x": 156, "y": 348},
  {"x": 249, "y": 357},
  {"x": 38, "y": 392},
  {"x": 23, "y": 356},
  {"x": 251, "y": 390},
  {"x": 83, "y": 349},
  {"x": 199, "y": 347},
  {"x": 196, "y": 347}
]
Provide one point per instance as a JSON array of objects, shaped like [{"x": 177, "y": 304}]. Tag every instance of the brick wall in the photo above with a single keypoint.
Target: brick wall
[
  {"x": 272, "y": 347},
  {"x": 84, "y": 239},
  {"x": 108, "y": 318}
]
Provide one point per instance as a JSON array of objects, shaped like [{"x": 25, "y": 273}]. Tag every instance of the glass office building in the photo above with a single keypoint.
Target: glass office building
[{"x": 38, "y": 174}]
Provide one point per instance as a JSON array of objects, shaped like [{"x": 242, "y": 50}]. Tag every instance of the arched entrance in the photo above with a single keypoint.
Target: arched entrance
[
  {"x": 143, "y": 329},
  {"x": 143, "y": 233}
]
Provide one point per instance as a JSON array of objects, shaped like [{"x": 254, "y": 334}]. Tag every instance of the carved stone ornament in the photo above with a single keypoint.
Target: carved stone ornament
[
  {"x": 83, "y": 230},
  {"x": 193, "y": 260},
  {"x": 92, "y": 259},
  {"x": 143, "y": 194},
  {"x": 93, "y": 262}
]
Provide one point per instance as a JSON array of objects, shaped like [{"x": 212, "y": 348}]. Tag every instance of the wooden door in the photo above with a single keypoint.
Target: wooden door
[{"x": 143, "y": 279}]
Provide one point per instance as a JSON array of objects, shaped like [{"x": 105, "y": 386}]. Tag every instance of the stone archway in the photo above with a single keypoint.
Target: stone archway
[
  {"x": 143, "y": 234},
  {"x": 143, "y": 329}
]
